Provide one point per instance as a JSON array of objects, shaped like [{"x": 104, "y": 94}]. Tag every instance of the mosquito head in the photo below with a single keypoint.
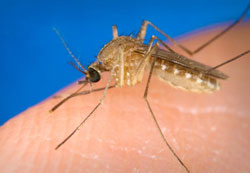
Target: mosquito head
[{"x": 94, "y": 72}]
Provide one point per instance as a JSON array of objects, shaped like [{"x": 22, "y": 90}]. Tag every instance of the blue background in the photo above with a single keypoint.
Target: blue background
[{"x": 33, "y": 61}]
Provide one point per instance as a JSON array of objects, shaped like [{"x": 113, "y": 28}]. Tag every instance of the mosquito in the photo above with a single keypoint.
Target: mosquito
[{"x": 127, "y": 58}]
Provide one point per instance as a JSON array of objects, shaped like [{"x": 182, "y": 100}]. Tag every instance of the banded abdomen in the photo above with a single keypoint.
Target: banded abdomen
[{"x": 184, "y": 78}]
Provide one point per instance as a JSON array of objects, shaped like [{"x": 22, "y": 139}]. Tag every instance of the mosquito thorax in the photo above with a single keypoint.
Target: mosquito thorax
[{"x": 110, "y": 51}]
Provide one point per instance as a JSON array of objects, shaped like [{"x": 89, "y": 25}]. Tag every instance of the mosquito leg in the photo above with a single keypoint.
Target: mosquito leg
[
  {"x": 141, "y": 67},
  {"x": 67, "y": 98},
  {"x": 86, "y": 118},
  {"x": 164, "y": 44},
  {"x": 143, "y": 30},
  {"x": 78, "y": 127},
  {"x": 94, "y": 90},
  {"x": 142, "y": 33},
  {"x": 154, "y": 118},
  {"x": 222, "y": 32},
  {"x": 115, "y": 32},
  {"x": 86, "y": 92},
  {"x": 95, "y": 108},
  {"x": 228, "y": 61}
]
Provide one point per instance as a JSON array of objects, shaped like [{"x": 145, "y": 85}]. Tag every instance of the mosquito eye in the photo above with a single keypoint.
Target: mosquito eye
[{"x": 94, "y": 75}]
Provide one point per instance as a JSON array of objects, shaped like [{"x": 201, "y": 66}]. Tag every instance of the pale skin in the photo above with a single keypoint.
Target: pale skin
[{"x": 209, "y": 132}]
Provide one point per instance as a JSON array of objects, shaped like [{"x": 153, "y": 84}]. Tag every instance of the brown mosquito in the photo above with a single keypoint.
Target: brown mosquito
[{"x": 127, "y": 58}]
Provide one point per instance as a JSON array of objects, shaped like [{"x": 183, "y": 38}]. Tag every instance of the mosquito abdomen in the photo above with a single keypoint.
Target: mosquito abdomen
[{"x": 184, "y": 78}]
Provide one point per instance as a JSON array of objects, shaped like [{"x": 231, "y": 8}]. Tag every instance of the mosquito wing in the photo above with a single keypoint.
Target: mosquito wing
[{"x": 184, "y": 61}]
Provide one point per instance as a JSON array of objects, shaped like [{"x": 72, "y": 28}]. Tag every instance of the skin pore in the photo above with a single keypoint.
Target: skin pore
[{"x": 209, "y": 132}]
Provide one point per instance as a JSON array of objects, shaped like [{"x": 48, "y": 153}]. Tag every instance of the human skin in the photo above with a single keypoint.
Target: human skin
[{"x": 209, "y": 132}]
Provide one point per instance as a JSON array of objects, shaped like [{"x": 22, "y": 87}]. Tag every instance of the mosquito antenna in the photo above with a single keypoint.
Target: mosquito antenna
[
  {"x": 67, "y": 47},
  {"x": 76, "y": 67},
  {"x": 228, "y": 61}
]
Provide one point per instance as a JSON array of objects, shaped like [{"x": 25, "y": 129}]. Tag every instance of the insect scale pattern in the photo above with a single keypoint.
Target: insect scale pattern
[
  {"x": 127, "y": 59},
  {"x": 170, "y": 67}
]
